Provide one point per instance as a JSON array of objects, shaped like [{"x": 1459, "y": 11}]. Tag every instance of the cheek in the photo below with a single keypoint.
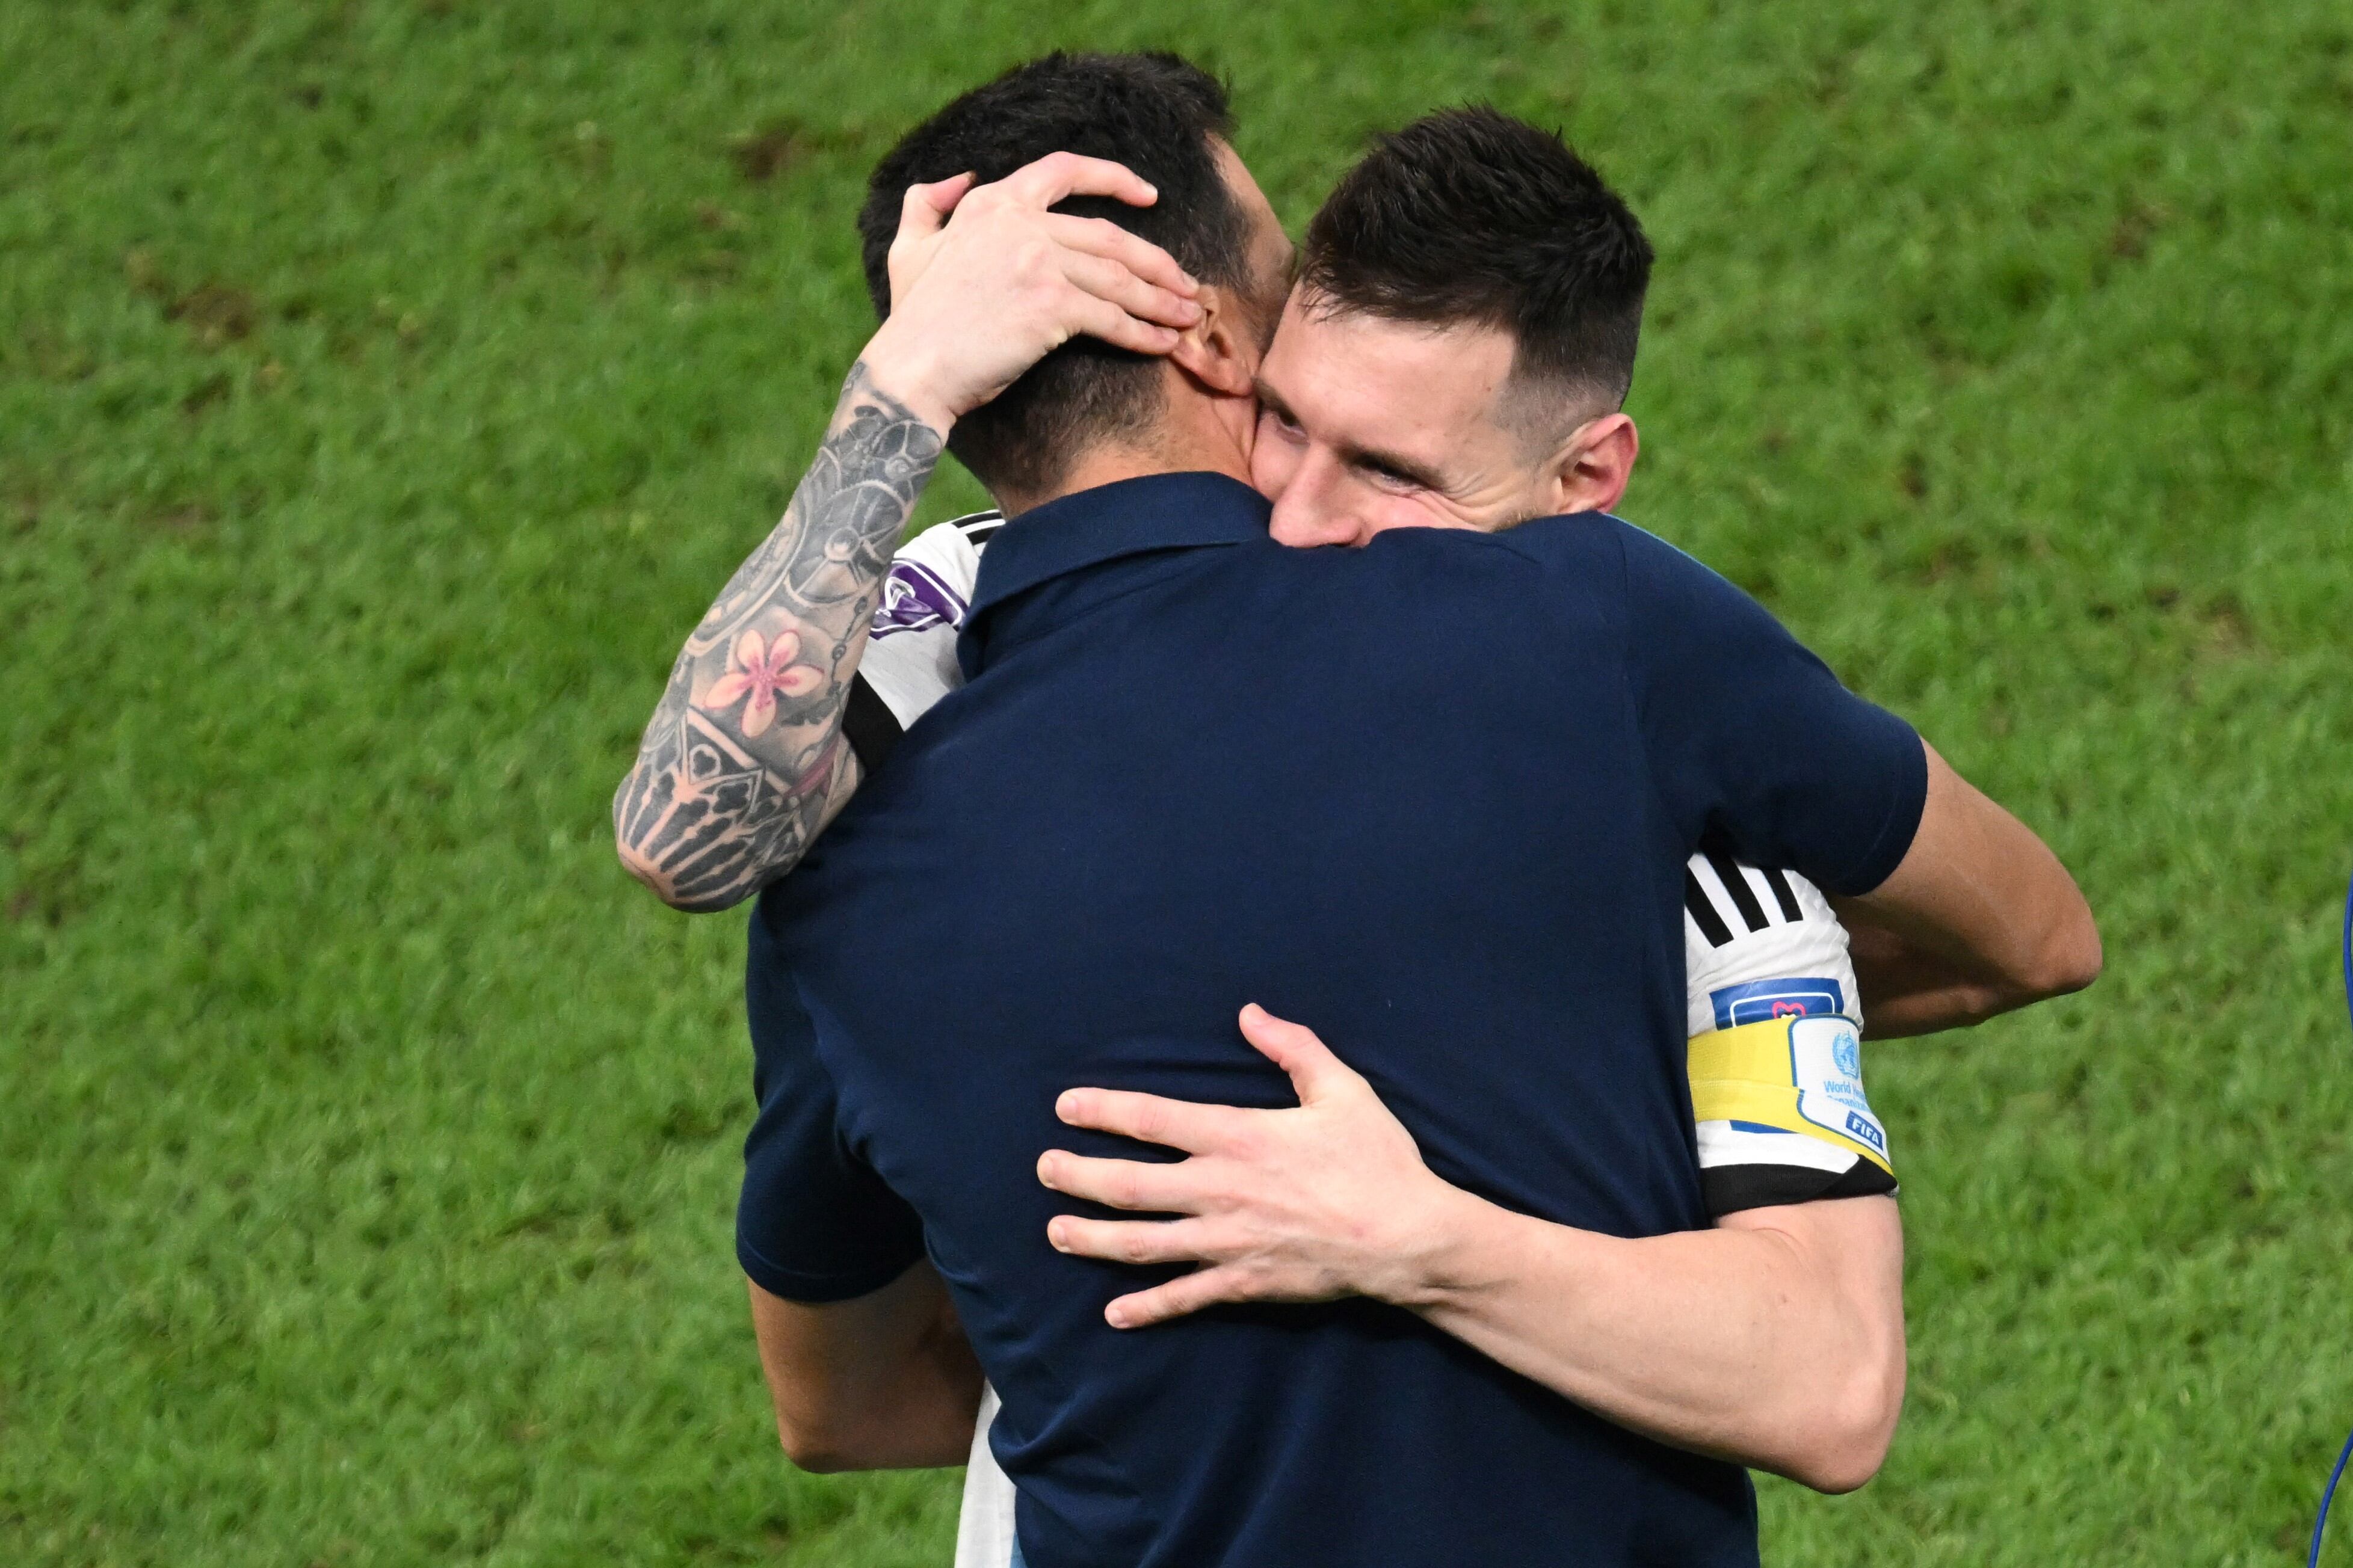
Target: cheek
[{"x": 1379, "y": 512}]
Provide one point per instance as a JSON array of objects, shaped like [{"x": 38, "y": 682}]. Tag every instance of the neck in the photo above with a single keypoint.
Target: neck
[
  {"x": 1109, "y": 465},
  {"x": 1196, "y": 435}
]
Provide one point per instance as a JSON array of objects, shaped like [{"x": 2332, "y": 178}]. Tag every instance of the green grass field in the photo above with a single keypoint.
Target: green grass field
[{"x": 387, "y": 385}]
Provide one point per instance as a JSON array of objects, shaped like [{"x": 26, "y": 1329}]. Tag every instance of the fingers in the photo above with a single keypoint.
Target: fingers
[
  {"x": 1101, "y": 318},
  {"x": 943, "y": 194},
  {"x": 1148, "y": 1118},
  {"x": 1058, "y": 176},
  {"x": 1120, "y": 1183},
  {"x": 924, "y": 208},
  {"x": 1110, "y": 282},
  {"x": 1127, "y": 1240},
  {"x": 923, "y": 211},
  {"x": 1202, "y": 1287},
  {"x": 1101, "y": 236},
  {"x": 1294, "y": 1048}
]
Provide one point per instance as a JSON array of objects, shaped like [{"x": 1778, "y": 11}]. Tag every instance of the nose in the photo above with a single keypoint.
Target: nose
[{"x": 1309, "y": 511}]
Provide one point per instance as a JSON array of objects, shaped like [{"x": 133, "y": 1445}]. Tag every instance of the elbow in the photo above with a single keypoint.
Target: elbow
[
  {"x": 665, "y": 887},
  {"x": 2083, "y": 958},
  {"x": 819, "y": 1460},
  {"x": 2062, "y": 958},
  {"x": 634, "y": 862},
  {"x": 819, "y": 1447},
  {"x": 2068, "y": 960},
  {"x": 630, "y": 848},
  {"x": 1846, "y": 1466},
  {"x": 1848, "y": 1440},
  {"x": 632, "y": 854},
  {"x": 655, "y": 881}
]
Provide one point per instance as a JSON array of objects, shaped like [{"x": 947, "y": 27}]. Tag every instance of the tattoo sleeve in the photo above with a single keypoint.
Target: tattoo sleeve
[{"x": 744, "y": 761}]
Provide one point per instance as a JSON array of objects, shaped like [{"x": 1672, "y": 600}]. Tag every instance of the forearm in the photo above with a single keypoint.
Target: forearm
[
  {"x": 885, "y": 1383},
  {"x": 921, "y": 1420},
  {"x": 1908, "y": 991},
  {"x": 744, "y": 761},
  {"x": 1776, "y": 1339},
  {"x": 1980, "y": 918},
  {"x": 1733, "y": 1341}
]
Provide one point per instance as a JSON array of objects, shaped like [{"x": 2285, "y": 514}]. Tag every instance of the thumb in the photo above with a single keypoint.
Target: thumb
[
  {"x": 925, "y": 208},
  {"x": 1315, "y": 1073}
]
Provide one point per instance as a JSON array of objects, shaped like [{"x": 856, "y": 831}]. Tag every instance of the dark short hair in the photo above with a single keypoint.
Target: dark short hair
[
  {"x": 1154, "y": 112},
  {"x": 1471, "y": 217}
]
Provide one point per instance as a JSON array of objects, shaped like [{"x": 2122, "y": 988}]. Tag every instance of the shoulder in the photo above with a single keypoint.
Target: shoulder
[
  {"x": 931, "y": 579},
  {"x": 1570, "y": 547},
  {"x": 911, "y": 651},
  {"x": 955, "y": 539},
  {"x": 1686, "y": 620},
  {"x": 1574, "y": 539},
  {"x": 1665, "y": 579},
  {"x": 1584, "y": 559}
]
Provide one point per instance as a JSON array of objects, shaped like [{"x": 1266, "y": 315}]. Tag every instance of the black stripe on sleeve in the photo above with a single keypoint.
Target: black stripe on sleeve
[
  {"x": 1703, "y": 911},
  {"x": 1784, "y": 895},
  {"x": 980, "y": 527},
  {"x": 1728, "y": 1189},
  {"x": 869, "y": 725},
  {"x": 1744, "y": 897}
]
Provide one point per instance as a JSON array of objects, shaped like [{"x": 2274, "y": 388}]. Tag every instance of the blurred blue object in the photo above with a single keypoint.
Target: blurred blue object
[{"x": 2328, "y": 1494}]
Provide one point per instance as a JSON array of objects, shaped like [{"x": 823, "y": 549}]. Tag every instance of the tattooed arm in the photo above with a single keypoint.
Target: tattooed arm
[{"x": 744, "y": 762}]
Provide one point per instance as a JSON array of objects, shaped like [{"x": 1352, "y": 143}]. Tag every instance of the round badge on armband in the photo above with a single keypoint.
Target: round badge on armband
[{"x": 1826, "y": 1062}]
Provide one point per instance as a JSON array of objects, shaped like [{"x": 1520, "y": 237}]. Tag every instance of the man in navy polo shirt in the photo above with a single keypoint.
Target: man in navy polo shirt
[{"x": 1192, "y": 769}]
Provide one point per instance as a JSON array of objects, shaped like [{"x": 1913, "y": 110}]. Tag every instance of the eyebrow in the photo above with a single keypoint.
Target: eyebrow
[
  {"x": 1397, "y": 463},
  {"x": 1267, "y": 398},
  {"x": 1411, "y": 470}
]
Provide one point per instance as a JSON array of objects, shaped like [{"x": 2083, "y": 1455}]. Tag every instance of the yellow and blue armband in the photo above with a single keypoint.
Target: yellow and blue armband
[{"x": 1781, "y": 1113}]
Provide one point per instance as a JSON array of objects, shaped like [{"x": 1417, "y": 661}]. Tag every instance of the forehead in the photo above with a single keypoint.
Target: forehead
[{"x": 1401, "y": 387}]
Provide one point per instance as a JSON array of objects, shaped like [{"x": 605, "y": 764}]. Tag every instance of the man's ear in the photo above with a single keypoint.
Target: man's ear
[
  {"x": 1591, "y": 470},
  {"x": 1220, "y": 352}
]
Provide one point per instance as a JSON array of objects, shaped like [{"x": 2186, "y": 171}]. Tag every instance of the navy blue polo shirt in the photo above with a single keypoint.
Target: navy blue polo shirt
[{"x": 1431, "y": 797}]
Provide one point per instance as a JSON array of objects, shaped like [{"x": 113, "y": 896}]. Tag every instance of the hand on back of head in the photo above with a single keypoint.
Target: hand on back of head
[{"x": 987, "y": 280}]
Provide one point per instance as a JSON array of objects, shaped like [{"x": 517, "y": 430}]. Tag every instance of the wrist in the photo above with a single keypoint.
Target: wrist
[
  {"x": 907, "y": 372},
  {"x": 1442, "y": 1250}
]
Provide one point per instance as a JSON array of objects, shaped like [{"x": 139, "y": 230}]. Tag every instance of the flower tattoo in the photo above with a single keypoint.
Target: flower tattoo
[
  {"x": 745, "y": 755},
  {"x": 764, "y": 670}
]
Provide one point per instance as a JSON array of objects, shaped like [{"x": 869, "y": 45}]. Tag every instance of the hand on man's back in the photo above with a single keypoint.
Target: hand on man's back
[
  {"x": 986, "y": 281},
  {"x": 1310, "y": 1203}
]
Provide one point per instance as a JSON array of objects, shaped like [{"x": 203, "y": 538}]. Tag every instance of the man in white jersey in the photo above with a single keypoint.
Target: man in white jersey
[{"x": 1761, "y": 946}]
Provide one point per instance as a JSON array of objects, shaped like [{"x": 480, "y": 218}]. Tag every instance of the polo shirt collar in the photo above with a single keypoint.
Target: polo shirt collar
[{"x": 1089, "y": 527}]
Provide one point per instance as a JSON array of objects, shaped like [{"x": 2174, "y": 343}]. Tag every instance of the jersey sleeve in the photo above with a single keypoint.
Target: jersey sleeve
[
  {"x": 814, "y": 1222},
  {"x": 1752, "y": 742},
  {"x": 1776, "y": 1052},
  {"x": 910, "y": 662}
]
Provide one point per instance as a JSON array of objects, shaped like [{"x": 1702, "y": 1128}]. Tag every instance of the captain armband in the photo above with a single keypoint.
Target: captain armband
[{"x": 1782, "y": 1117}]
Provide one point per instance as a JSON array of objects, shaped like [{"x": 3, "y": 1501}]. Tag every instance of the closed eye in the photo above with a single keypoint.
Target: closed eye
[{"x": 1392, "y": 476}]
